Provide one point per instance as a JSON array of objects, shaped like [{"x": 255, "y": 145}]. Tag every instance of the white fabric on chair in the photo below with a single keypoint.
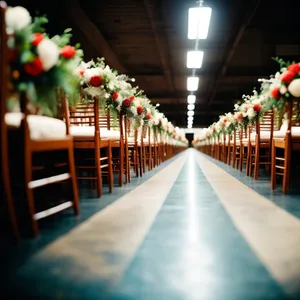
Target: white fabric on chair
[
  {"x": 83, "y": 132},
  {"x": 40, "y": 127}
]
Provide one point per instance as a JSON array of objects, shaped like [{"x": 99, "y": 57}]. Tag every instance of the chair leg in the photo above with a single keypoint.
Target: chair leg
[
  {"x": 241, "y": 158},
  {"x": 10, "y": 206},
  {"x": 256, "y": 162},
  {"x": 144, "y": 158},
  {"x": 273, "y": 167},
  {"x": 8, "y": 192},
  {"x": 121, "y": 169},
  {"x": 287, "y": 168},
  {"x": 233, "y": 156},
  {"x": 110, "y": 168},
  {"x": 73, "y": 180},
  {"x": 98, "y": 171},
  {"x": 149, "y": 157},
  {"x": 29, "y": 192},
  {"x": 127, "y": 164}
]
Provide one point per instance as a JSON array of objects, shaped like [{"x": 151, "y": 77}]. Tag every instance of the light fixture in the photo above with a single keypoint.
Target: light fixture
[
  {"x": 190, "y": 118},
  {"x": 192, "y": 83},
  {"x": 198, "y": 24},
  {"x": 191, "y": 107},
  {"x": 133, "y": 79},
  {"x": 189, "y": 126},
  {"x": 190, "y": 122},
  {"x": 194, "y": 59},
  {"x": 190, "y": 113},
  {"x": 191, "y": 99}
]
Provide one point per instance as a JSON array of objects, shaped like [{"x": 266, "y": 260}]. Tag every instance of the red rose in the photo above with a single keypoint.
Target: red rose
[
  {"x": 139, "y": 110},
  {"x": 287, "y": 76},
  {"x": 257, "y": 107},
  {"x": 131, "y": 98},
  {"x": 115, "y": 96},
  {"x": 68, "y": 52},
  {"x": 35, "y": 67},
  {"x": 126, "y": 102},
  {"x": 148, "y": 116},
  {"x": 96, "y": 81},
  {"x": 37, "y": 38},
  {"x": 294, "y": 68},
  {"x": 275, "y": 93},
  {"x": 81, "y": 72},
  {"x": 239, "y": 116}
]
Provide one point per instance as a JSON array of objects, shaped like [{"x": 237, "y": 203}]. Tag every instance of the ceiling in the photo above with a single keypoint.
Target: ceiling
[{"x": 147, "y": 39}]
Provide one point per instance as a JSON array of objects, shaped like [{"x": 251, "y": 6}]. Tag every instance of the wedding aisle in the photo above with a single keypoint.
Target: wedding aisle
[{"x": 190, "y": 231}]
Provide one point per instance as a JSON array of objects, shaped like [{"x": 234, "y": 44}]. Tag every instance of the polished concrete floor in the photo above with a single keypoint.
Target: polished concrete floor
[{"x": 191, "y": 229}]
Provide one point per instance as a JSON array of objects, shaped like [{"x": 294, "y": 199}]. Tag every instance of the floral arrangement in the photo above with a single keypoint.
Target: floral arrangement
[{"x": 39, "y": 64}]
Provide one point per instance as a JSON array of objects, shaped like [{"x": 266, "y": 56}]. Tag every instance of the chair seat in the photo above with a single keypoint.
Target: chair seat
[
  {"x": 40, "y": 127},
  {"x": 265, "y": 135},
  {"x": 281, "y": 134},
  {"x": 84, "y": 132}
]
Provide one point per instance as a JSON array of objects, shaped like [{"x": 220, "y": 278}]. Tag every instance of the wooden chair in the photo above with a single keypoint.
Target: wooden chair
[
  {"x": 4, "y": 167},
  {"x": 135, "y": 149},
  {"x": 260, "y": 144},
  {"x": 244, "y": 147},
  {"x": 83, "y": 123},
  {"x": 287, "y": 141},
  {"x": 40, "y": 136}
]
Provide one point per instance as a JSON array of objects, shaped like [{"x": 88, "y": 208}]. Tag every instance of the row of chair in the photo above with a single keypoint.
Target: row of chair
[
  {"x": 269, "y": 142},
  {"x": 43, "y": 158}
]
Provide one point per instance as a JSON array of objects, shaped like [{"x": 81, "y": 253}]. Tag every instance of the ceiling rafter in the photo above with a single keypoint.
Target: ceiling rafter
[
  {"x": 158, "y": 32},
  {"x": 231, "y": 50},
  {"x": 93, "y": 34}
]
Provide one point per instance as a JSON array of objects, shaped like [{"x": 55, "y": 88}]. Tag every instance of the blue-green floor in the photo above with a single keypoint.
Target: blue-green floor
[{"x": 192, "y": 250}]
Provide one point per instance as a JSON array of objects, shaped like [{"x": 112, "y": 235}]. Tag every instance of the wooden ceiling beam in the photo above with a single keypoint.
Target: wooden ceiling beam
[
  {"x": 93, "y": 34},
  {"x": 160, "y": 39},
  {"x": 231, "y": 50}
]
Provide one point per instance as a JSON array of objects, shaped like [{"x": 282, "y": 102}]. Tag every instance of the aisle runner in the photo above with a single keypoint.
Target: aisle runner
[
  {"x": 101, "y": 248},
  {"x": 273, "y": 233}
]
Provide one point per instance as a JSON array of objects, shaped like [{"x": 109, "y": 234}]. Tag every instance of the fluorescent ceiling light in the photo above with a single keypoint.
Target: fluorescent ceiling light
[
  {"x": 198, "y": 24},
  {"x": 191, "y": 107},
  {"x": 190, "y": 118},
  {"x": 190, "y": 122},
  {"x": 194, "y": 59},
  {"x": 190, "y": 113},
  {"x": 191, "y": 99},
  {"x": 189, "y": 126},
  {"x": 192, "y": 83}
]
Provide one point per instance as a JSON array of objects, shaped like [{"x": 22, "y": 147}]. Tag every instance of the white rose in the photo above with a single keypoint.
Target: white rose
[
  {"x": 294, "y": 88},
  {"x": 251, "y": 113},
  {"x": 283, "y": 90},
  {"x": 48, "y": 52},
  {"x": 17, "y": 18}
]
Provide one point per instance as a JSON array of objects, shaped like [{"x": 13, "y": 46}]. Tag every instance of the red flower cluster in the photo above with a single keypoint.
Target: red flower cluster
[
  {"x": 294, "y": 68},
  {"x": 257, "y": 107},
  {"x": 287, "y": 77},
  {"x": 35, "y": 67},
  {"x": 239, "y": 116},
  {"x": 126, "y": 102},
  {"x": 139, "y": 110},
  {"x": 115, "y": 95},
  {"x": 275, "y": 93},
  {"x": 148, "y": 116},
  {"x": 68, "y": 52},
  {"x": 37, "y": 38},
  {"x": 96, "y": 81}
]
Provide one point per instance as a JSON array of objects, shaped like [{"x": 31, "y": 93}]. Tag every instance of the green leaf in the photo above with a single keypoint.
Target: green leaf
[
  {"x": 67, "y": 30},
  {"x": 26, "y": 56}
]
